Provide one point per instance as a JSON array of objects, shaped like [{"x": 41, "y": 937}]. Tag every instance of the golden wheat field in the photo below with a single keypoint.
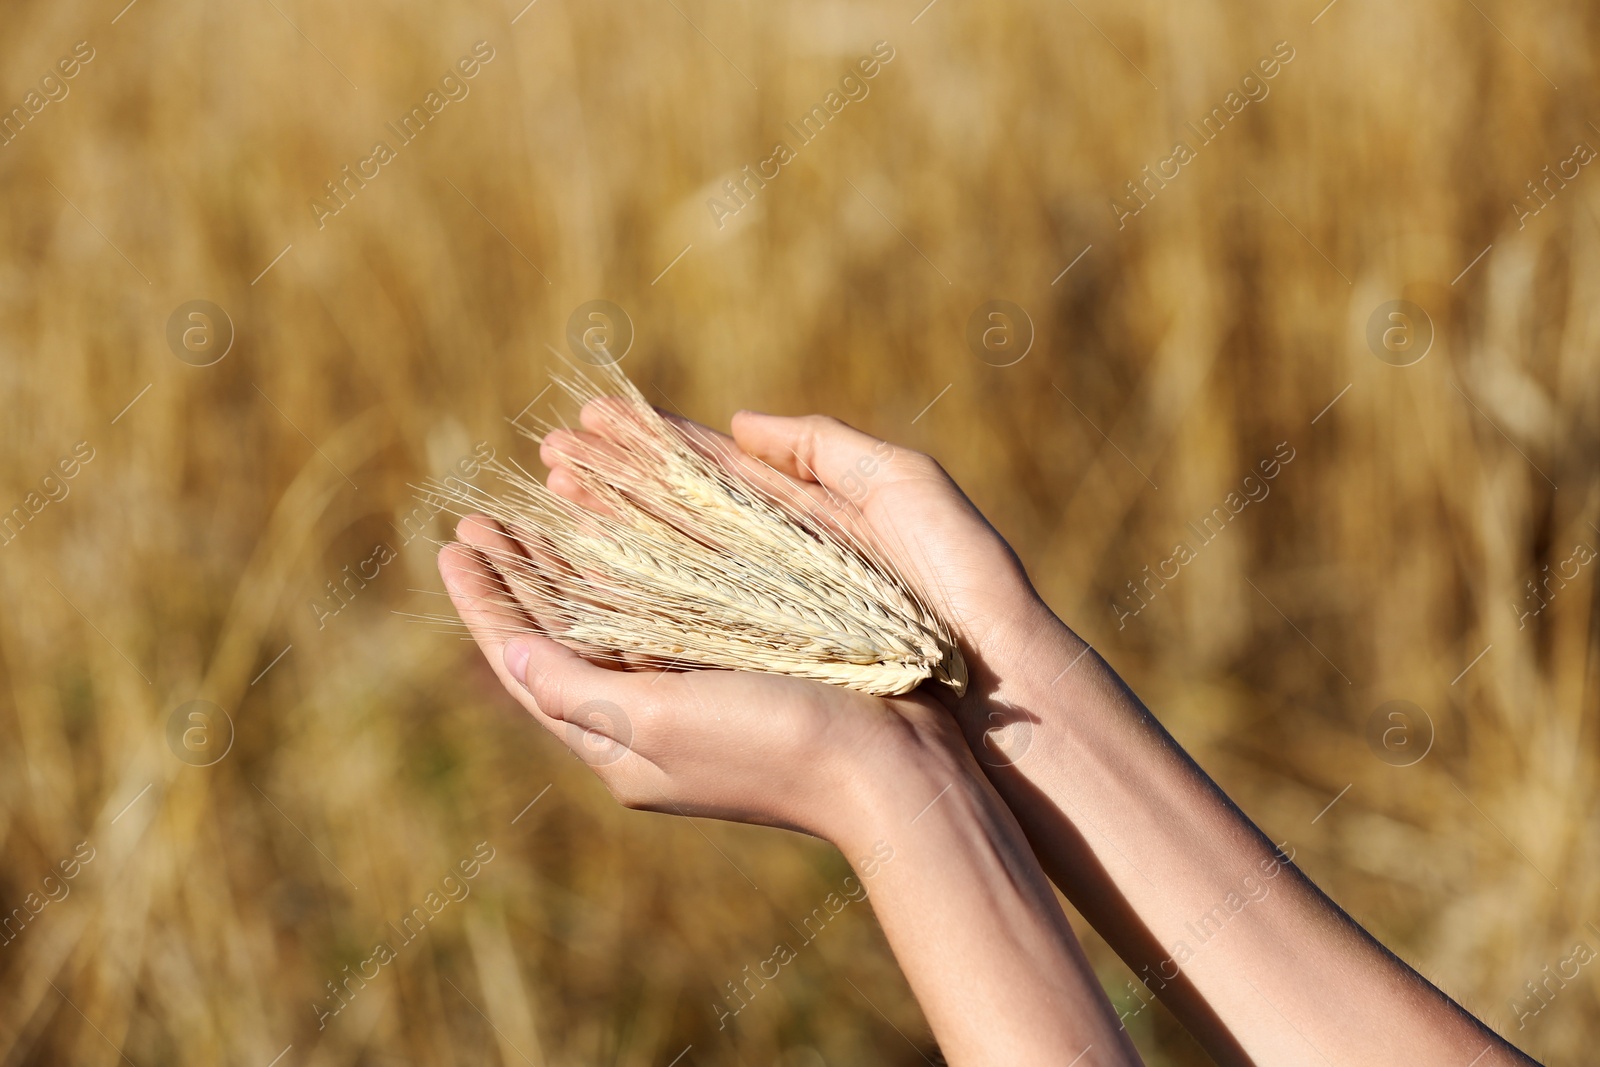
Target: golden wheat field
[{"x": 265, "y": 265}]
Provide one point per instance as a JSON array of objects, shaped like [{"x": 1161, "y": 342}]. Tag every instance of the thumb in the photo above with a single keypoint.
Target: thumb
[
  {"x": 813, "y": 448},
  {"x": 586, "y": 701},
  {"x": 559, "y": 680}
]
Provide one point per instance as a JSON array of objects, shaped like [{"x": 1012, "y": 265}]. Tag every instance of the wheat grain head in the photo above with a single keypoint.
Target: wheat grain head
[{"x": 697, "y": 558}]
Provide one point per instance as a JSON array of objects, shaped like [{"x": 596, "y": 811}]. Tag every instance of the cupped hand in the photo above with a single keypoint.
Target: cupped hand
[
  {"x": 742, "y": 746},
  {"x": 895, "y": 499}
]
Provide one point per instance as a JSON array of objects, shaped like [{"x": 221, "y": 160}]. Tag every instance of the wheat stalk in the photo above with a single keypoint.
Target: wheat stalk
[{"x": 693, "y": 561}]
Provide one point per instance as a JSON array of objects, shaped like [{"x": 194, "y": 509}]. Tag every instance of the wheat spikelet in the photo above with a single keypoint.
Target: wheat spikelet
[{"x": 690, "y": 561}]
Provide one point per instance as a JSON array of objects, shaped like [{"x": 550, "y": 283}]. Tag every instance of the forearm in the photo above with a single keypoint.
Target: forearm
[
  {"x": 973, "y": 922},
  {"x": 1250, "y": 955}
]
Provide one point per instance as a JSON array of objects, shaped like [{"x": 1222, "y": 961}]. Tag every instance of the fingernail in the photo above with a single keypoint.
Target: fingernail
[{"x": 516, "y": 656}]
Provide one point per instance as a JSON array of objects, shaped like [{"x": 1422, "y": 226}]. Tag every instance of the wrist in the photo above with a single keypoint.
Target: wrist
[
  {"x": 1035, "y": 649},
  {"x": 918, "y": 753},
  {"x": 1044, "y": 687},
  {"x": 1020, "y": 661}
]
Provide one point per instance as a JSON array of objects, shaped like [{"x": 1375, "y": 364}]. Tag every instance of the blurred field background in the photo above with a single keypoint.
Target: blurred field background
[{"x": 386, "y": 346}]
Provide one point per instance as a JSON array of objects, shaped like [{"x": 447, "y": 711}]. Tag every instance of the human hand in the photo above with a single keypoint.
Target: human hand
[
  {"x": 903, "y": 504},
  {"x": 742, "y": 746},
  {"x": 964, "y": 904},
  {"x": 1104, "y": 788}
]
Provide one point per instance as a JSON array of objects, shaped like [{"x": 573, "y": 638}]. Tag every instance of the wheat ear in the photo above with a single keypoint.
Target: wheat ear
[{"x": 690, "y": 561}]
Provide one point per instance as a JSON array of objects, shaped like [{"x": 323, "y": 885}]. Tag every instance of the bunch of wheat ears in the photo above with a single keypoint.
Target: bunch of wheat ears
[{"x": 689, "y": 556}]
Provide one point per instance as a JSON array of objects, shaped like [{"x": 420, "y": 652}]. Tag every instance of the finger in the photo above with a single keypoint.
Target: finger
[
  {"x": 613, "y": 417},
  {"x": 802, "y": 495},
  {"x": 564, "y": 483},
  {"x": 614, "y": 420},
  {"x": 852, "y": 466},
  {"x": 515, "y": 563},
  {"x": 597, "y": 730},
  {"x": 782, "y": 476},
  {"x": 610, "y": 417},
  {"x": 534, "y": 579},
  {"x": 481, "y": 600},
  {"x": 572, "y": 456},
  {"x": 485, "y": 606},
  {"x": 603, "y": 465},
  {"x": 478, "y": 589},
  {"x": 821, "y": 449},
  {"x": 601, "y": 711},
  {"x": 573, "y": 448},
  {"x": 713, "y": 444}
]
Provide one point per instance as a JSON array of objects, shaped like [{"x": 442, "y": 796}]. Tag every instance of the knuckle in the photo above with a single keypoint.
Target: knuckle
[
  {"x": 932, "y": 467},
  {"x": 629, "y": 798},
  {"x": 548, "y": 692},
  {"x": 815, "y": 429},
  {"x": 909, "y": 463},
  {"x": 625, "y": 790}
]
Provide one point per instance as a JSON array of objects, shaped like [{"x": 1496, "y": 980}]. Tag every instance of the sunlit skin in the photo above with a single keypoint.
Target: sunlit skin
[
  {"x": 964, "y": 904},
  {"x": 1256, "y": 961}
]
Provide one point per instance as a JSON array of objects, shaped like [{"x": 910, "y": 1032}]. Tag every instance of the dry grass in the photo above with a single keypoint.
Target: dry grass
[{"x": 383, "y": 348}]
